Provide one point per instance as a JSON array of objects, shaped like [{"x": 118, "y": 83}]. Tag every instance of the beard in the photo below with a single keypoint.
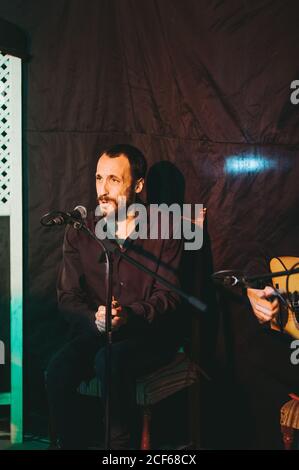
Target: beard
[{"x": 117, "y": 207}]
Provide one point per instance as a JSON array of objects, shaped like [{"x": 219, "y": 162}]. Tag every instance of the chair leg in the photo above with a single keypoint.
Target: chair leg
[
  {"x": 288, "y": 437},
  {"x": 145, "y": 437}
]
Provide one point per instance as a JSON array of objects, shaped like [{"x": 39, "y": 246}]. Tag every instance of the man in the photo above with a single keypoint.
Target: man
[
  {"x": 145, "y": 326},
  {"x": 270, "y": 374}
]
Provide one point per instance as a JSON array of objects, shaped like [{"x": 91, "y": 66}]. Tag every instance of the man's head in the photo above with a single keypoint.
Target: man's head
[{"x": 120, "y": 172}]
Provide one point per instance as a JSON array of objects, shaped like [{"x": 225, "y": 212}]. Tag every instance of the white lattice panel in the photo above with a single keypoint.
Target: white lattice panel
[
  {"x": 5, "y": 132},
  {"x": 11, "y": 205}
]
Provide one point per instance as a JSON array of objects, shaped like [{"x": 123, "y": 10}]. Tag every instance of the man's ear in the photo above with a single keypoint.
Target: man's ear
[{"x": 139, "y": 185}]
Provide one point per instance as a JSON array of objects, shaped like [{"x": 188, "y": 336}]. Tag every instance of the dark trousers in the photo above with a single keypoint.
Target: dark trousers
[
  {"x": 269, "y": 377},
  {"x": 82, "y": 358}
]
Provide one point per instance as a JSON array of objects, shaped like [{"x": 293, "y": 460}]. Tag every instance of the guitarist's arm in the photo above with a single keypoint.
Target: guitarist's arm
[{"x": 262, "y": 307}]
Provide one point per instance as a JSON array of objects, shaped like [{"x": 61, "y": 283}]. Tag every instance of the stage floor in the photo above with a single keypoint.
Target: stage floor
[{"x": 27, "y": 445}]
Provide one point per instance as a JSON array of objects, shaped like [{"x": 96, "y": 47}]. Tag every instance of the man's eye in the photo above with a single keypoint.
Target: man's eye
[{"x": 115, "y": 180}]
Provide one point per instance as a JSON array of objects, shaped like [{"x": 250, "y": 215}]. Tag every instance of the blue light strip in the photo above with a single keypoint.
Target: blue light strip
[{"x": 248, "y": 163}]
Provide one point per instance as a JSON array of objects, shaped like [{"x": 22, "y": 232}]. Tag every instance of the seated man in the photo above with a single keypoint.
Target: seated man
[
  {"x": 145, "y": 326},
  {"x": 270, "y": 374}
]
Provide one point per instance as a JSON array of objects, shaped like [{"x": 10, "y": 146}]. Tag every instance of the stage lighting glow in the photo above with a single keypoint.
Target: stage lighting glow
[{"x": 248, "y": 163}]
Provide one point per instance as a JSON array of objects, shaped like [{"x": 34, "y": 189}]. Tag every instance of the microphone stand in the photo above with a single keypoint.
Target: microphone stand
[
  {"x": 232, "y": 278},
  {"x": 261, "y": 277},
  {"x": 109, "y": 248}
]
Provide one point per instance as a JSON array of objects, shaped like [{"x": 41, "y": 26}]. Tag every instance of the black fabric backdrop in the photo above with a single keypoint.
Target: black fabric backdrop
[
  {"x": 12, "y": 40},
  {"x": 192, "y": 82}
]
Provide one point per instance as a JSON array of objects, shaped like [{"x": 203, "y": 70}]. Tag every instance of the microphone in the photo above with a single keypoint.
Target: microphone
[
  {"x": 63, "y": 218},
  {"x": 230, "y": 278}
]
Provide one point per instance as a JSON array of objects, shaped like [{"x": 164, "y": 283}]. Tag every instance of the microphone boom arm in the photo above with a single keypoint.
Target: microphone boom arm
[{"x": 232, "y": 278}]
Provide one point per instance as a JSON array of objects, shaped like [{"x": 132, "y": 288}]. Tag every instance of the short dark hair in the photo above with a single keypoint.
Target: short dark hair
[{"x": 134, "y": 155}]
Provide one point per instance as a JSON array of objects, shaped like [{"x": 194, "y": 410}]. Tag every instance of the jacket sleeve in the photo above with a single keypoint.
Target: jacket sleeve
[{"x": 72, "y": 299}]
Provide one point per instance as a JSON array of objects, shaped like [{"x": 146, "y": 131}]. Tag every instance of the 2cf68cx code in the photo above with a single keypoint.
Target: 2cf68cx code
[{"x": 160, "y": 459}]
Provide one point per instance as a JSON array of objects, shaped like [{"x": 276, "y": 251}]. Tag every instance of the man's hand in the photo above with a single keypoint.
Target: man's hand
[
  {"x": 119, "y": 317},
  {"x": 263, "y": 309}
]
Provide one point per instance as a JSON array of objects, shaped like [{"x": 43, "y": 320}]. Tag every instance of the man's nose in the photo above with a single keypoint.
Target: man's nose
[{"x": 103, "y": 188}]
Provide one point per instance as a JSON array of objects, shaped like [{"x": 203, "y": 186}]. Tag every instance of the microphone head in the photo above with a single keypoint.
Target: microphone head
[
  {"x": 52, "y": 218},
  {"x": 230, "y": 281},
  {"x": 82, "y": 210},
  {"x": 62, "y": 218},
  {"x": 229, "y": 278}
]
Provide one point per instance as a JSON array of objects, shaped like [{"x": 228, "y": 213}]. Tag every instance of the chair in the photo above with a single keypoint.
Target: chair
[
  {"x": 289, "y": 421},
  {"x": 156, "y": 386}
]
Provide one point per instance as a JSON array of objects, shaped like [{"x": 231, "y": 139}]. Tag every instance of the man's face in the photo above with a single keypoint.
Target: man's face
[{"x": 113, "y": 179}]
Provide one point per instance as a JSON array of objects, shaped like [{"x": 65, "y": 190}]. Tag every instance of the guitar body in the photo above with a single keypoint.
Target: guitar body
[{"x": 288, "y": 319}]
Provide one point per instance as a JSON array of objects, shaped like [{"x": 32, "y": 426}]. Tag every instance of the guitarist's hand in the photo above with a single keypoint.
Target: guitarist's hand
[{"x": 263, "y": 308}]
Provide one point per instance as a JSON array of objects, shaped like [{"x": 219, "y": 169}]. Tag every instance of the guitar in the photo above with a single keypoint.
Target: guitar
[{"x": 288, "y": 318}]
